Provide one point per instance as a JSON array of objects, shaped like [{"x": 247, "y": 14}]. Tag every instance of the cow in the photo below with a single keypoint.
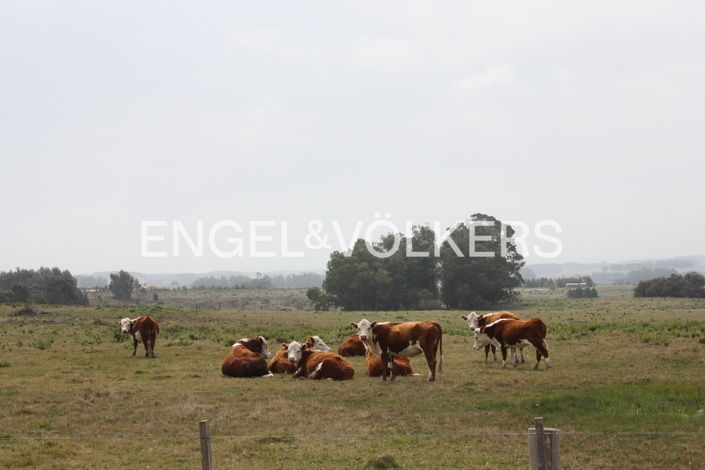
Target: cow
[
  {"x": 375, "y": 368},
  {"x": 143, "y": 330},
  {"x": 280, "y": 363},
  {"x": 477, "y": 321},
  {"x": 352, "y": 346},
  {"x": 247, "y": 358},
  {"x": 407, "y": 339},
  {"x": 318, "y": 364},
  {"x": 511, "y": 333}
]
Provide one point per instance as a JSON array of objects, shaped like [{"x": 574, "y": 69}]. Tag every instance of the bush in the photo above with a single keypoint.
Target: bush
[
  {"x": 580, "y": 293},
  {"x": 690, "y": 285}
]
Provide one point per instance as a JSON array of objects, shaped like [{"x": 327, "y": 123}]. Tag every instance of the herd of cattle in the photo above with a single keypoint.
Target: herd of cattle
[{"x": 385, "y": 345}]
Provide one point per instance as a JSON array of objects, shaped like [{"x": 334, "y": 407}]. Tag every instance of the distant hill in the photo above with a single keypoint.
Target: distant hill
[
  {"x": 279, "y": 279},
  {"x": 627, "y": 272}
]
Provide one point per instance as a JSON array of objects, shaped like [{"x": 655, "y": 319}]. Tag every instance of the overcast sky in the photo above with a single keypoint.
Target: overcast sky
[{"x": 113, "y": 113}]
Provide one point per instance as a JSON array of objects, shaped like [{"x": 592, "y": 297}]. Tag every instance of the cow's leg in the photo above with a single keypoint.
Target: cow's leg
[
  {"x": 521, "y": 351},
  {"x": 145, "y": 341},
  {"x": 385, "y": 367},
  {"x": 542, "y": 350},
  {"x": 494, "y": 352},
  {"x": 431, "y": 360},
  {"x": 504, "y": 356},
  {"x": 134, "y": 346},
  {"x": 151, "y": 346},
  {"x": 390, "y": 366},
  {"x": 513, "y": 351}
]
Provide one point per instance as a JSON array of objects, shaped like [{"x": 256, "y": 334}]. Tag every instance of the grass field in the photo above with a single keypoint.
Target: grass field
[{"x": 620, "y": 365}]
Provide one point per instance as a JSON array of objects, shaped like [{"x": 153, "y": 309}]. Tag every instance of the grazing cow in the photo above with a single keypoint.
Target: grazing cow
[
  {"x": 247, "y": 358},
  {"x": 352, "y": 346},
  {"x": 511, "y": 333},
  {"x": 478, "y": 321},
  {"x": 318, "y": 364},
  {"x": 143, "y": 330},
  {"x": 280, "y": 364},
  {"x": 407, "y": 339},
  {"x": 375, "y": 368}
]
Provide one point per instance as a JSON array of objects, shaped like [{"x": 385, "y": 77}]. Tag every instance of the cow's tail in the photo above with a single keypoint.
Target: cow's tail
[{"x": 440, "y": 347}]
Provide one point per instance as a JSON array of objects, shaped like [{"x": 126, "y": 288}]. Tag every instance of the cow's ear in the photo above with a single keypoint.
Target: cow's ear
[
  {"x": 353, "y": 324},
  {"x": 373, "y": 324},
  {"x": 304, "y": 347},
  {"x": 464, "y": 317},
  {"x": 285, "y": 346}
]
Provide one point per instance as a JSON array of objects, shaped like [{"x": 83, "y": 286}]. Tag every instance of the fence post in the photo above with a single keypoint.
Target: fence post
[
  {"x": 544, "y": 447},
  {"x": 206, "y": 457}
]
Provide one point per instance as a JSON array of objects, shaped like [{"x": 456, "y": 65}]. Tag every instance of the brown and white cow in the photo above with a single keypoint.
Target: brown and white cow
[
  {"x": 143, "y": 330},
  {"x": 407, "y": 339},
  {"x": 478, "y": 321},
  {"x": 511, "y": 333},
  {"x": 280, "y": 363},
  {"x": 375, "y": 367},
  {"x": 352, "y": 346},
  {"x": 247, "y": 358},
  {"x": 318, "y": 364}
]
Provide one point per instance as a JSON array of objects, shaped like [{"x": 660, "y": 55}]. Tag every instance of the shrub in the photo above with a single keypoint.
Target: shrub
[{"x": 690, "y": 285}]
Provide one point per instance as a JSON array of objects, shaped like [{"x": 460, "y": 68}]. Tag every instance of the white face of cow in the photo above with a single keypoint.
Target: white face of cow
[
  {"x": 472, "y": 320},
  {"x": 125, "y": 326},
  {"x": 364, "y": 329},
  {"x": 294, "y": 352},
  {"x": 319, "y": 345},
  {"x": 265, "y": 348},
  {"x": 482, "y": 340}
]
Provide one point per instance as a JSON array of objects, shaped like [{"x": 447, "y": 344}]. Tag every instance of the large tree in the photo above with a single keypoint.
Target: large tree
[
  {"x": 469, "y": 282},
  {"x": 122, "y": 284},
  {"x": 362, "y": 281}
]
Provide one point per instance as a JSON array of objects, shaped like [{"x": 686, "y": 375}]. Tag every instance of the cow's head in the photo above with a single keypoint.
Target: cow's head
[
  {"x": 125, "y": 326},
  {"x": 472, "y": 320},
  {"x": 265, "y": 349},
  {"x": 364, "y": 329},
  {"x": 316, "y": 343},
  {"x": 295, "y": 352},
  {"x": 257, "y": 344},
  {"x": 482, "y": 339}
]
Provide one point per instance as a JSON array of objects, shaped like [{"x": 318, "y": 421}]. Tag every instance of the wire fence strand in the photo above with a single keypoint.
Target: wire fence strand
[{"x": 348, "y": 436}]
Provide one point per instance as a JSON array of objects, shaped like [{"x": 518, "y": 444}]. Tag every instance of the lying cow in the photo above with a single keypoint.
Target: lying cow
[
  {"x": 507, "y": 333},
  {"x": 280, "y": 363},
  {"x": 478, "y": 321},
  {"x": 408, "y": 339},
  {"x": 352, "y": 346},
  {"x": 247, "y": 358},
  {"x": 318, "y": 364},
  {"x": 143, "y": 330},
  {"x": 375, "y": 368}
]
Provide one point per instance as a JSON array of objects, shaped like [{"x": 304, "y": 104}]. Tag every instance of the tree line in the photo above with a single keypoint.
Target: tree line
[
  {"x": 451, "y": 278},
  {"x": 44, "y": 285}
]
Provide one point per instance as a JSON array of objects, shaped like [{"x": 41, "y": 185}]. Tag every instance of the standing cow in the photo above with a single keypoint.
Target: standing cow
[
  {"x": 247, "y": 358},
  {"x": 408, "y": 339},
  {"x": 511, "y": 333},
  {"x": 478, "y": 321},
  {"x": 318, "y": 364},
  {"x": 280, "y": 363},
  {"x": 143, "y": 330}
]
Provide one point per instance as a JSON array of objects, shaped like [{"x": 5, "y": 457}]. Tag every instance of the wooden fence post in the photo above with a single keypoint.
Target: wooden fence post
[
  {"x": 206, "y": 457},
  {"x": 544, "y": 447}
]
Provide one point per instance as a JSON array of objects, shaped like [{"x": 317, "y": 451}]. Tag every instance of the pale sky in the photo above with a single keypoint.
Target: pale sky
[{"x": 113, "y": 113}]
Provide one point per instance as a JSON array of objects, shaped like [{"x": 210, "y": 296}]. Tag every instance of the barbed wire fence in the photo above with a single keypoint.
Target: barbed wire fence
[{"x": 543, "y": 443}]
